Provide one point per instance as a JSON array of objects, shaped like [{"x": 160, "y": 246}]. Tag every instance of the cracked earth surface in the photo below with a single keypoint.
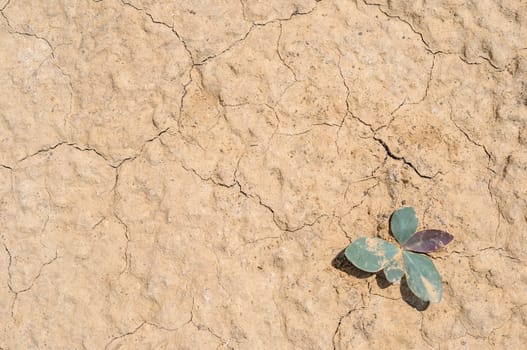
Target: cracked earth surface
[{"x": 183, "y": 175}]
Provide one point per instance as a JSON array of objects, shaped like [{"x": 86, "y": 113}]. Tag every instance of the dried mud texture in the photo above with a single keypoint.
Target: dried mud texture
[{"x": 181, "y": 175}]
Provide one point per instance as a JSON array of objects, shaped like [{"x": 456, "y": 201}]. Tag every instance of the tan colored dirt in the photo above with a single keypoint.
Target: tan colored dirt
[{"x": 185, "y": 174}]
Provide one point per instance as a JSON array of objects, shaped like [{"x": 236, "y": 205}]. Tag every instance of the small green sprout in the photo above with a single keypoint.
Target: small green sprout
[{"x": 375, "y": 254}]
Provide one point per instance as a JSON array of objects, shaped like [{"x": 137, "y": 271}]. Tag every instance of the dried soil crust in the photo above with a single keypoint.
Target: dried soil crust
[{"x": 186, "y": 174}]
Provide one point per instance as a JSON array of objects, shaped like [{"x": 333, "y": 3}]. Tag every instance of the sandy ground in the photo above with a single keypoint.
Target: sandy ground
[{"x": 186, "y": 174}]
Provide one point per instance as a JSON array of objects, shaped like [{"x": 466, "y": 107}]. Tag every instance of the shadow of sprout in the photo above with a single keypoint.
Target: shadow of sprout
[
  {"x": 340, "y": 262},
  {"x": 410, "y": 298}
]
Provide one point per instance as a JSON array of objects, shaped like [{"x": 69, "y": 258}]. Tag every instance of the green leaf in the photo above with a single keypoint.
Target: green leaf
[
  {"x": 394, "y": 270},
  {"x": 423, "y": 278},
  {"x": 403, "y": 224},
  {"x": 370, "y": 254}
]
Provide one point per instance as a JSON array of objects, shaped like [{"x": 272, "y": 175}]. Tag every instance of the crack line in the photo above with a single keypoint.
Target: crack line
[{"x": 404, "y": 160}]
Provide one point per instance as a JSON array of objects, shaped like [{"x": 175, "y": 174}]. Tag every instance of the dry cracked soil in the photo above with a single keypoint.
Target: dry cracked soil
[{"x": 185, "y": 174}]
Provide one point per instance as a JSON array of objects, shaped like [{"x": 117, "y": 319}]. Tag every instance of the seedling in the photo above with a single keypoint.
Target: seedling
[{"x": 375, "y": 254}]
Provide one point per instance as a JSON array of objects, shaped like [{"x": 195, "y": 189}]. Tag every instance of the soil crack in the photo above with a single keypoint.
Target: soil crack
[{"x": 404, "y": 160}]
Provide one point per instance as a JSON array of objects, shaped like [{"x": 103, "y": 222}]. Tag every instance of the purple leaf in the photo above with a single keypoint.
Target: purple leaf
[{"x": 428, "y": 241}]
